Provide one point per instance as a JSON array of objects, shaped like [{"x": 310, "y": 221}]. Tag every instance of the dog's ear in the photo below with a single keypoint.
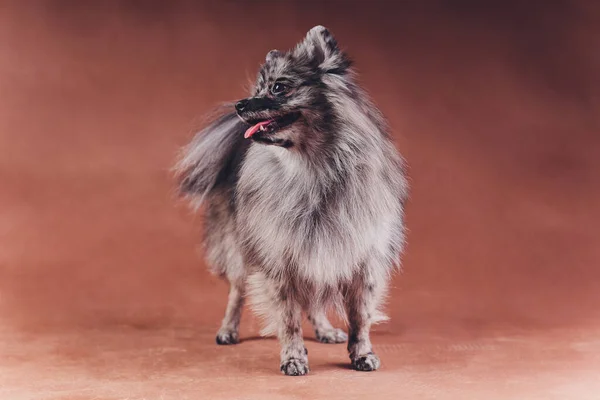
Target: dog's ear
[
  {"x": 321, "y": 49},
  {"x": 273, "y": 54}
]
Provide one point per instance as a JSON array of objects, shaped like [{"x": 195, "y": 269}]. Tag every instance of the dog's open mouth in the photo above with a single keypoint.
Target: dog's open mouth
[
  {"x": 262, "y": 126},
  {"x": 270, "y": 125}
]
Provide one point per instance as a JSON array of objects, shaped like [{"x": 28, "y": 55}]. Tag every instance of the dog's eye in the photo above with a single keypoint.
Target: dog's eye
[{"x": 279, "y": 88}]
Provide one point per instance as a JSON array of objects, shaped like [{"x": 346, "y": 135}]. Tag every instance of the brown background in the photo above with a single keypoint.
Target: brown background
[{"x": 103, "y": 294}]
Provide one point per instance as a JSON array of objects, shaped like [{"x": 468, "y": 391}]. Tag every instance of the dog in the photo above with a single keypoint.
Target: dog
[{"x": 303, "y": 192}]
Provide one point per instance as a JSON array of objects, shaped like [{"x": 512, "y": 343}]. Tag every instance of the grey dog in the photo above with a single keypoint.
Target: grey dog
[{"x": 304, "y": 194}]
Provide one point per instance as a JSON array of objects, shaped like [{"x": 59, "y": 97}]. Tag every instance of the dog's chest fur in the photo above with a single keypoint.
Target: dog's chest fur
[{"x": 315, "y": 225}]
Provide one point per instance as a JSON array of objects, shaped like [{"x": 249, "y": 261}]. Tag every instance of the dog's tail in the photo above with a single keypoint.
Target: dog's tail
[{"x": 212, "y": 158}]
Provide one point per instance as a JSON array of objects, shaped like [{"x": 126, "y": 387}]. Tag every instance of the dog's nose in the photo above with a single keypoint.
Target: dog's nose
[{"x": 241, "y": 105}]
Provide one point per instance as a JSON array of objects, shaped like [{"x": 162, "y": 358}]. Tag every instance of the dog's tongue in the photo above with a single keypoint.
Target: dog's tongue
[{"x": 253, "y": 129}]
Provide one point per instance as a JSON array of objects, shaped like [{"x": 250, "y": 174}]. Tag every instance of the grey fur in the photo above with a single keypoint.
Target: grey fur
[{"x": 307, "y": 215}]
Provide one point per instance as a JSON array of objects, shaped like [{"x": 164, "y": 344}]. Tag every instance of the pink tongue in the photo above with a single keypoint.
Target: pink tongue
[{"x": 253, "y": 129}]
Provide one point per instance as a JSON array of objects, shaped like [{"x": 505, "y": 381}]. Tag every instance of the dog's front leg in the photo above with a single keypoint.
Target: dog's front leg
[
  {"x": 294, "y": 356},
  {"x": 362, "y": 298}
]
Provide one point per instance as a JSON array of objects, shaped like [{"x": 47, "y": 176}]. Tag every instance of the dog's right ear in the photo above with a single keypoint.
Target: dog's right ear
[{"x": 321, "y": 48}]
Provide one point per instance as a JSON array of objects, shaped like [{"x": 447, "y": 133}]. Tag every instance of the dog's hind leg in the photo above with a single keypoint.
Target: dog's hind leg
[
  {"x": 324, "y": 331},
  {"x": 229, "y": 332},
  {"x": 225, "y": 260}
]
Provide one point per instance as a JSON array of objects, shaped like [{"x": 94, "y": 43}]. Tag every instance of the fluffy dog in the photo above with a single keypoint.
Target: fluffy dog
[{"x": 304, "y": 193}]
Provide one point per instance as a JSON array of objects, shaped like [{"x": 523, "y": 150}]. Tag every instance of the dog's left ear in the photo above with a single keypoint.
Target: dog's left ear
[
  {"x": 322, "y": 49},
  {"x": 273, "y": 54}
]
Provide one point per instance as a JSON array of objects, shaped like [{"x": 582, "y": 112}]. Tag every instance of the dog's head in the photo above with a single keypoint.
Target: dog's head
[{"x": 289, "y": 95}]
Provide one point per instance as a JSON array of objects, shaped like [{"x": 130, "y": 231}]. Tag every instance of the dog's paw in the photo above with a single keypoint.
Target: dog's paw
[
  {"x": 294, "y": 367},
  {"x": 227, "y": 337},
  {"x": 332, "y": 336},
  {"x": 368, "y": 362}
]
